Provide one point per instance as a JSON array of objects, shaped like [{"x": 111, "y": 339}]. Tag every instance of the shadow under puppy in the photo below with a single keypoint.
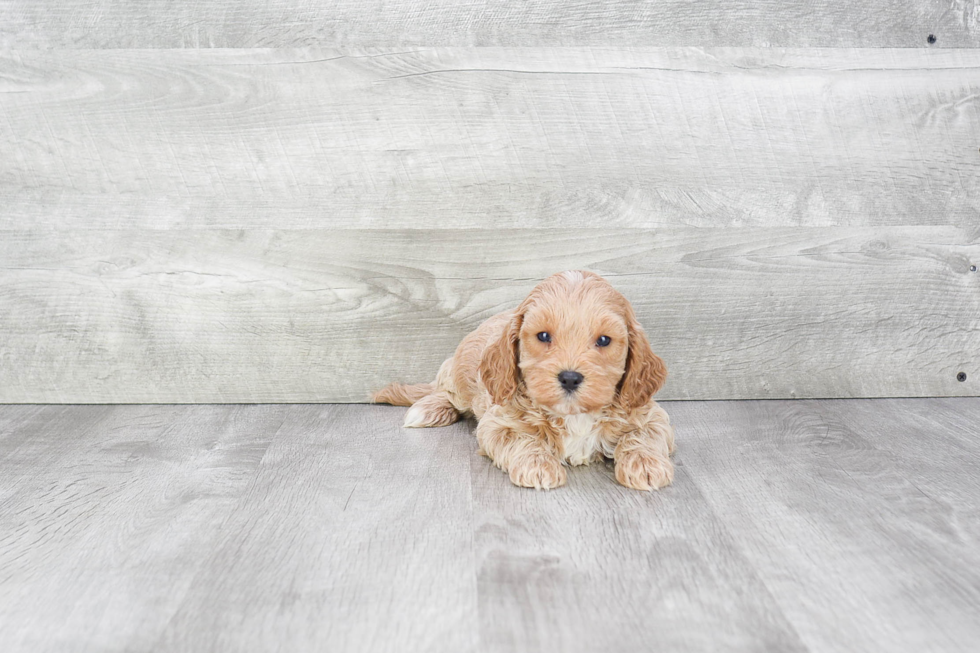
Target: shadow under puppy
[{"x": 566, "y": 378}]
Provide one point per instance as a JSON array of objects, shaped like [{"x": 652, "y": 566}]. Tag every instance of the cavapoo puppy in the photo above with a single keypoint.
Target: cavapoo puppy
[{"x": 566, "y": 378}]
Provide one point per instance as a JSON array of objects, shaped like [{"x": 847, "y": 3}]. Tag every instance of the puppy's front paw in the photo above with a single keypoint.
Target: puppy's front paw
[
  {"x": 541, "y": 471},
  {"x": 642, "y": 471}
]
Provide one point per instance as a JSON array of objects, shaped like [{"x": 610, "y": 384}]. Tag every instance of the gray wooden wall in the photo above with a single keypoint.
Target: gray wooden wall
[{"x": 244, "y": 201}]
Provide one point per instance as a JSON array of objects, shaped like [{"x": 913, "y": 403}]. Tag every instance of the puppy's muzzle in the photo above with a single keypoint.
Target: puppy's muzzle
[{"x": 570, "y": 380}]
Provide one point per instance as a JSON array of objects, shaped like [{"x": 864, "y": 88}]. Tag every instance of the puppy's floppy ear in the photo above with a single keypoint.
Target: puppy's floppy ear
[
  {"x": 498, "y": 367},
  {"x": 645, "y": 371}
]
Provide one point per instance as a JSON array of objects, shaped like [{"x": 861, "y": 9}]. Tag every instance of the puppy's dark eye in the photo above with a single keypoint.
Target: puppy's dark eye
[
  {"x": 544, "y": 336},
  {"x": 603, "y": 341}
]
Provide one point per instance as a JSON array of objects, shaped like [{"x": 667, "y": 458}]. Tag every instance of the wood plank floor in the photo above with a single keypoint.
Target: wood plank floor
[{"x": 807, "y": 525}]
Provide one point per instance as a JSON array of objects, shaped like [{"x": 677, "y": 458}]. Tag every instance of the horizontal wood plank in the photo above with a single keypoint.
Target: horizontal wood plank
[
  {"x": 295, "y": 315},
  {"x": 276, "y": 23},
  {"x": 489, "y": 137}
]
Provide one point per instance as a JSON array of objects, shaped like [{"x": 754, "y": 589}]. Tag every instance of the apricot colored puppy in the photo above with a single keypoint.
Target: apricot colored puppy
[{"x": 566, "y": 378}]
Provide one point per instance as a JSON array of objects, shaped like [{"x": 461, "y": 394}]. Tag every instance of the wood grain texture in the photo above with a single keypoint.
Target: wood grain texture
[
  {"x": 352, "y": 535},
  {"x": 276, "y": 23},
  {"x": 936, "y": 452},
  {"x": 815, "y": 526},
  {"x": 310, "y": 316},
  {"x": 861, "y": 518},
  {"x": 104, "y": 512},
  {"x": 489, "y": 137},
  {"x": 657, "y": 570}
]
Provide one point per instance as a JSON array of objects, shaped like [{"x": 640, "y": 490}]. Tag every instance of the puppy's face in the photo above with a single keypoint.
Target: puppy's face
[
  {"x": 576, "y": 344},
  {"x": 573, "y": 345}
]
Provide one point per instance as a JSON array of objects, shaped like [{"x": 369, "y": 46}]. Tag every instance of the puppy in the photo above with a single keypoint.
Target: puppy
[{"x": 566, "y": 378}]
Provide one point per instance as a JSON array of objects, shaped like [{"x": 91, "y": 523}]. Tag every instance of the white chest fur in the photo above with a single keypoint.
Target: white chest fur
[{"x": 582, "y": 439}]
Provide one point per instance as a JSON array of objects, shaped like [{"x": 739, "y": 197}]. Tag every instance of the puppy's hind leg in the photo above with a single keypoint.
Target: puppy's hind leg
[{"x": 432, "y": 410}]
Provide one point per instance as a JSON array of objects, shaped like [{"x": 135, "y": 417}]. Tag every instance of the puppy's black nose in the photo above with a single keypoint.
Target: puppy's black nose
[{"x": 570, "y": 380}]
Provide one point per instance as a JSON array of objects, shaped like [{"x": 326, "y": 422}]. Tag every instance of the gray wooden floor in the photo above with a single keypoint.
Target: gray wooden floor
[{"x": 791, "y": 526}]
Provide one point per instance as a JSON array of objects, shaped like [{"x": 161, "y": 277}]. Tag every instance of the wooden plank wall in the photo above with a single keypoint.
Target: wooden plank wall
[{"x": 273, "y": 202}]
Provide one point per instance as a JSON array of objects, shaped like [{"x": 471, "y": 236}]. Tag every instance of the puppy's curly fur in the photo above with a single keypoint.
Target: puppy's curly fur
[{"x": 506, "y": 374}]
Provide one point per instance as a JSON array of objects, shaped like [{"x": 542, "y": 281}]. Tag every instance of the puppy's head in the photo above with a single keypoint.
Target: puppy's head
[{"x": 577, "y": 345}]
